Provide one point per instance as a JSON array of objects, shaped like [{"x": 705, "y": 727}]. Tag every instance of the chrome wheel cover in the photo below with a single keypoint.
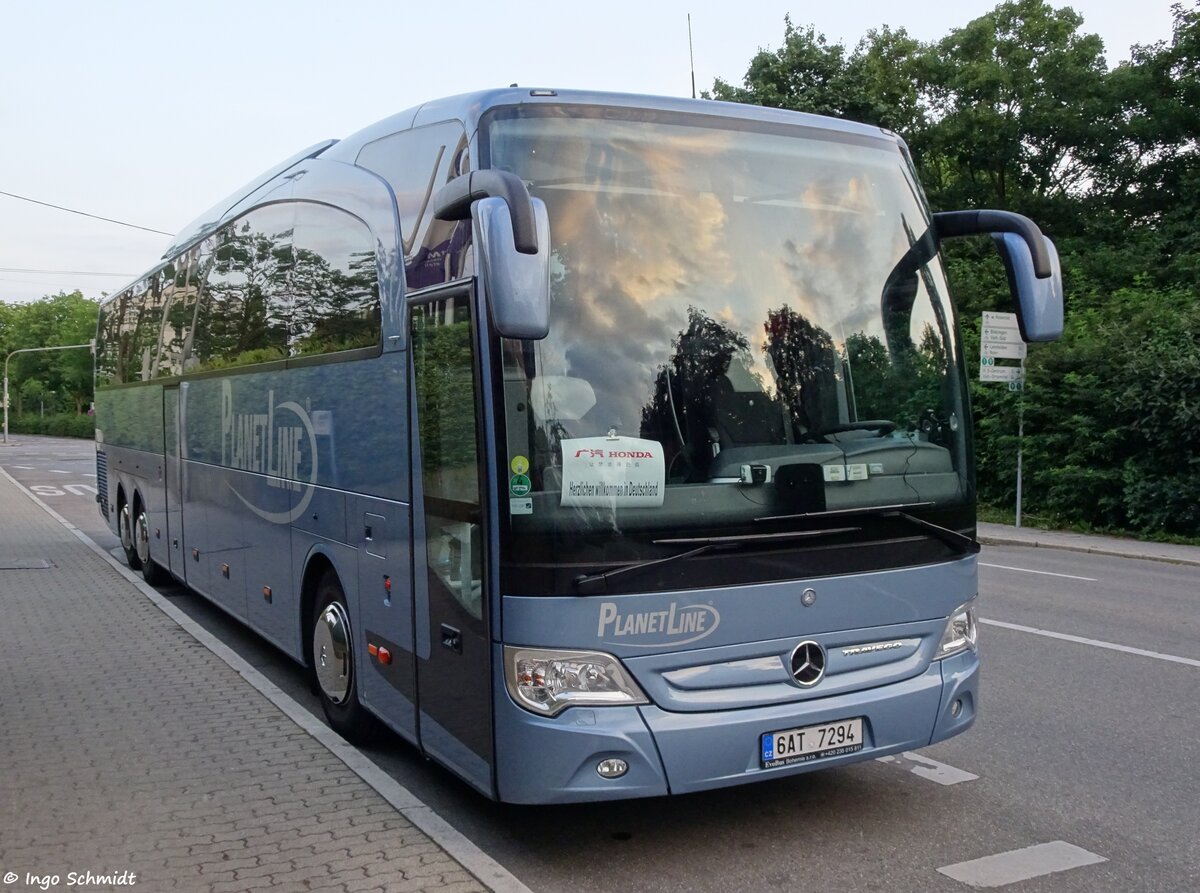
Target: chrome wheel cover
[
  {"x": 126, "y": 525},
  {"x": 141, "y": 538},
  {"x": 332, "y": 655}
]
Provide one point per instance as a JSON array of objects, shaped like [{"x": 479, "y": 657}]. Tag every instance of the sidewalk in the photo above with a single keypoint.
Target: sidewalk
[
  {"x": 128, "y": 748},
  {"x": 1007, "y": 535}
]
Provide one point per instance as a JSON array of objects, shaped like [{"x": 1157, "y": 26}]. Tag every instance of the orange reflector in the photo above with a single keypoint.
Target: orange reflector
[
  {"x": 385, "y": 656},
  {"x": 267, "y": 593},
  {"x": 225, "y": 570},
  {"x": 372, "y": 649}
]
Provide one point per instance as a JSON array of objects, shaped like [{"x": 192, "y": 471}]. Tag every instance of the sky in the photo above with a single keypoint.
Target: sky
[{"x": 151, "y": 112}]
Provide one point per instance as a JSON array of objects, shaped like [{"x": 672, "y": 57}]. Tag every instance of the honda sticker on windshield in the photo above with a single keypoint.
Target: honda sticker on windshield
[{"x": 617, "y": 471}]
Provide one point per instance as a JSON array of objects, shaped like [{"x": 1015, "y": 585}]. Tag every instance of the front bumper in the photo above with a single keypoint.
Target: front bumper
[{"x": 553, "y": 760}]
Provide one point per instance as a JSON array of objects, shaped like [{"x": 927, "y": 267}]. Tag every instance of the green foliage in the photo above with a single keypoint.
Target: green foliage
[
  {"x": 56, "y": 381},
  {"x": 1018, "y": 110},
  {"x": 57, "y": 425}
]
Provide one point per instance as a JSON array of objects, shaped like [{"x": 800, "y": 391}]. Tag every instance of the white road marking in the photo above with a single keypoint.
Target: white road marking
[
  {"x": 1025, "y": 570},
  {"x": 1095, "y": 643},
  {"x": 56, "y": 471},
  {"x": 1021, "y": 865},
  {"x": 26, "y": 467},
  {"x": 928, "y": 769}
]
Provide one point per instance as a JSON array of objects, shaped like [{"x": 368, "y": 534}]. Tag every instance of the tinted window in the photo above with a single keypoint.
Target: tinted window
[
  {"x": 128, "y": 333},
  {"x": 443, "y": 366},
  {"x": 180, "y": 294},
  {"x": 417, "y": 163},
  {"x": 335, "y": 285},
  {"x": 108, "y": 341},
  {"x": 244, "y": 309}
]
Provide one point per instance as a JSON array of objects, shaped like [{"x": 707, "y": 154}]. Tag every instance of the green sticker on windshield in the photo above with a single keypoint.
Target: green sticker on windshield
[{"x": 518, "y": 485}]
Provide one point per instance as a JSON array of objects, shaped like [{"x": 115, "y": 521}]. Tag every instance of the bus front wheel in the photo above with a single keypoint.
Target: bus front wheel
[{"x": 333, "y": 664}]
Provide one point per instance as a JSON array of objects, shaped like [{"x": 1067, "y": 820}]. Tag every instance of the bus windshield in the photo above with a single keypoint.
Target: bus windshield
[{"x": 750, "y": 334}]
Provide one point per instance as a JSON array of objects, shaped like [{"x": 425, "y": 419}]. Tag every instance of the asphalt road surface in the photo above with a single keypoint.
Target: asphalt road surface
[{"x": 1080, "y": 774}]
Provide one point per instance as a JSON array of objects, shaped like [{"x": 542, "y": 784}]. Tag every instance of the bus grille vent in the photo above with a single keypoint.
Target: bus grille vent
[{"x": 102, "y": 481}]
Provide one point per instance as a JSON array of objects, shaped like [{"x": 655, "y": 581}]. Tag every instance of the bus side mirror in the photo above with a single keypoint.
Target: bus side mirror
[
  {"x": 1034, "y": 274},
  {"x": 516, "y": 284},
  {"x": 1039, "y": 301}
]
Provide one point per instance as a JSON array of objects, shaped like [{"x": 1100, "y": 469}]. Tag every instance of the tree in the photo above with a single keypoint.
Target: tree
[
  {"x": 876, "y": 83},
  {"x": 1018, "y": 110},
  {"x": 53, "y": 321}
]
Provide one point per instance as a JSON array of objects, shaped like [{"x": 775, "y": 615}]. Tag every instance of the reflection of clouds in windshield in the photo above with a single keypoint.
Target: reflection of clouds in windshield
[
  {"x": 649, "y": 220},
  {"x": 838, "y": 264},
  {"x": 623, "y": 254}
]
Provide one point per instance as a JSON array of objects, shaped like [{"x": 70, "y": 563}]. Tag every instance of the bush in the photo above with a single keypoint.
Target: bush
[
  {"x": 1112, "y": 419},
  {"x": 57, "y": 425}
]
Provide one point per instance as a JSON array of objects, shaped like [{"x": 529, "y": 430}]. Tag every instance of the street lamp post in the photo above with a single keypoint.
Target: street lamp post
[{"x": 90, "y": 345}]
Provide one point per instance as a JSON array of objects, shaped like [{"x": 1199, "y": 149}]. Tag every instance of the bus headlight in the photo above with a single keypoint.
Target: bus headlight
[
  {"x": 961, "y": 633},
  {"x": 549, "y": 681}
]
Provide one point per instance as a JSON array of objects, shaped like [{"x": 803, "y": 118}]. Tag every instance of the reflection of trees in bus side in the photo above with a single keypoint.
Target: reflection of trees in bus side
[
  {"x": 442, "y": 366},
  {"x": 334, "y": 309},
  {"x": 243, "y": 313}
]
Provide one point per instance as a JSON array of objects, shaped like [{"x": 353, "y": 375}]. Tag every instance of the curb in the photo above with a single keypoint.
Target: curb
[
  {"x": 487, "y": 870},
  {"x": 1001, "y": 540}
]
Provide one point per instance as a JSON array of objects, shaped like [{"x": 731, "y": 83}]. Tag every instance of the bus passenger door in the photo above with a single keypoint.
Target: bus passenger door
[
  {"x": 174, "y": 481},
  {"x": 454, "y": 691}
]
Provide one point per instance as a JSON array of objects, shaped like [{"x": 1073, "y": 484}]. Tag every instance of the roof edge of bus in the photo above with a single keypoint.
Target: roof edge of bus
[
  {"x": 214, "y": 216},
  {"x": 470, "y": 107}
]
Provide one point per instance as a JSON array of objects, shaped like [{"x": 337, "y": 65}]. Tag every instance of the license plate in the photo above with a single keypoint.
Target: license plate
[{"x": 829, "y": 739}]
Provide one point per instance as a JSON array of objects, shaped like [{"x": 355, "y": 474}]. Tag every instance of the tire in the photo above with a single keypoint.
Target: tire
[
  {"x": 125, "y": 529},
  {"x": 152, "y": 572},
  {"x": 334, "y": 672}
]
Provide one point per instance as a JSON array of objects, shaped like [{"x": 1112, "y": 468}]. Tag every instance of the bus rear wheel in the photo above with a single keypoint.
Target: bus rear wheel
[
  {"x": 152, "y": 572},
  {"x": 125, "y": 525},
  {"x": 333, "y": 664}
]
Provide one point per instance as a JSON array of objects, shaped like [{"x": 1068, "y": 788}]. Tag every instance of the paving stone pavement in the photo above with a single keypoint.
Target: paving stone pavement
[{"x": 128, "y": 748}]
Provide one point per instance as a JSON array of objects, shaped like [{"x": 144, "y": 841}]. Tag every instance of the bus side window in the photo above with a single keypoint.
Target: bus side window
[
  {"x": 109, "y": 370},
  {"x": 443, "y": 368},
  {"x": 416, "y": 163},
  {"x": 244, "y": 311},
  {"x": 180, "y": 311},
  {"x": 336, "y": 284},
  {"x": 137, "y": 310}
]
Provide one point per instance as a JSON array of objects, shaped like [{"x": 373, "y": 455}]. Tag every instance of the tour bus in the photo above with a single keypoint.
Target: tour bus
[{"x": 599, "y": 446}]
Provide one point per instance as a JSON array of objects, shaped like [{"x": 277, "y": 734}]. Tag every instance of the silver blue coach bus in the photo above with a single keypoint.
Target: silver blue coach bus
[{"x": 600, "y": 446}]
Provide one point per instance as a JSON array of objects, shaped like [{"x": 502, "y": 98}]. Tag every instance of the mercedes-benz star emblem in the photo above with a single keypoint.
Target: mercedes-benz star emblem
[{"x": 808, "y": 664}]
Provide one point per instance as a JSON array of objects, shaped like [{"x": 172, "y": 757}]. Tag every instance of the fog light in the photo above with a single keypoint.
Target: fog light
[
  {"x": 956, "y": 707},
  {"x": 611, "y": 768}
]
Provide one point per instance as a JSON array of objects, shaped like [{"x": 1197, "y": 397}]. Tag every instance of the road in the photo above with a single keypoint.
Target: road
[{"x": 1084, "y": 757}]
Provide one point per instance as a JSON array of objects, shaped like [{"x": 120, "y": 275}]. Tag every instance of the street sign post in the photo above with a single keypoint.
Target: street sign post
[
  {"x": 91, "y": 345},
  {"x": 1000, "y": 338}
]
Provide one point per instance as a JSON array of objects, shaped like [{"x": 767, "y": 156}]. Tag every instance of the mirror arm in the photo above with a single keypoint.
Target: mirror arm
[
  {"x": 950, "y": 224},
  {"x": 453, "y": 202}
]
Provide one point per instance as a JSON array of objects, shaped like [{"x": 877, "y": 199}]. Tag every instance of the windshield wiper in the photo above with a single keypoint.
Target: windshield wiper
[
  {"x": 590, "y": 583},
  {"x": 960, "y": 542}
]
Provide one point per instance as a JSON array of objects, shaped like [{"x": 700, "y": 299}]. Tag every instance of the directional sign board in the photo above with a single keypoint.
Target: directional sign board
[
  {"x": 1001, "y": 373},
  {"x": 1000, "y": 337},
  {"x": 1012, "y": 350}
]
